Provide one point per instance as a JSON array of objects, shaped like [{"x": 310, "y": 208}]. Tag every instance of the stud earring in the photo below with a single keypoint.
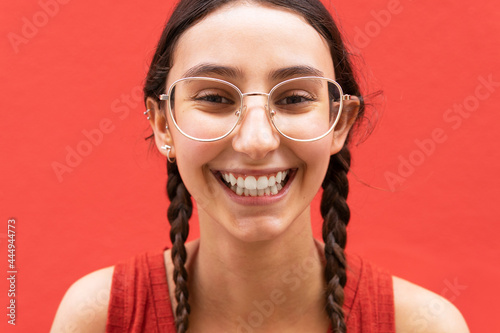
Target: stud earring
[
  {"x": 168, "y": 148},
  {"x": 146, "y": 113}
]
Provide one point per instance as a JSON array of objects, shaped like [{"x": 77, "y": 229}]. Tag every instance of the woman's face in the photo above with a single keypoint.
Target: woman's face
[{"x": 248, "y": 45}]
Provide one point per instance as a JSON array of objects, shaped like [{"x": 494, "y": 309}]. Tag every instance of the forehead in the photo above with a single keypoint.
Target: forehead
[{"x": 253, "y": 39}]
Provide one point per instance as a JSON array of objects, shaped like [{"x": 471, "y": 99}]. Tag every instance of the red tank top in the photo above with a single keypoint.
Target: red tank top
[{"x": 140, "y": 301}]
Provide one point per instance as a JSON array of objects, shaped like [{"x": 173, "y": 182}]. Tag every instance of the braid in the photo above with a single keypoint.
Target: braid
[
  {"x": 336, "y": 215},
  {"x": 179, "y": 212}
]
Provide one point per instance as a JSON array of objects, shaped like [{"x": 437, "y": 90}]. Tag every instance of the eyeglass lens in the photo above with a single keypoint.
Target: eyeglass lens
[{"x": 303, "y": 108}]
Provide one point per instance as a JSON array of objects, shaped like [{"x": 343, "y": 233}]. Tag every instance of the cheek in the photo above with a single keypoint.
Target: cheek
[
  {"x": 316, "y": 156},
  {"x": 192, "y": 158},
  {"x": 191, "y": 155}
]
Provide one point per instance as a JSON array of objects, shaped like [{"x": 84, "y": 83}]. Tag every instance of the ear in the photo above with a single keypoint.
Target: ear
[
  {"x": 348, "y": 116},
  {"x": 158, "y": 121}
]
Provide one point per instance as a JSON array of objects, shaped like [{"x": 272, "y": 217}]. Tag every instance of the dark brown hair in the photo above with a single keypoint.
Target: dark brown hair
[{"x": 334, "y": 209}]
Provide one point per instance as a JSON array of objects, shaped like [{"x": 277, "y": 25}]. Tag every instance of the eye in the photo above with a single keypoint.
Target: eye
[
  {"x": 213, "y": 101},
  {"x": 213, "y": 98},
  {"x": 294, "y": 99}
]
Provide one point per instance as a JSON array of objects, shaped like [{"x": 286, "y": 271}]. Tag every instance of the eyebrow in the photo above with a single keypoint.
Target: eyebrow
[
  {"x": 208, "y": 69},
  {"x": 294, "y": 71}
]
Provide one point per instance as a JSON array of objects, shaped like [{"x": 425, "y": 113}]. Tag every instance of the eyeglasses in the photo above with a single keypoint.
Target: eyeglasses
[{"x": 301, "y": 109}]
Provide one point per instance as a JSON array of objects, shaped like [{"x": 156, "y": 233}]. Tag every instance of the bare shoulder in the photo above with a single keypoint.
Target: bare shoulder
[
  {"x": 420, "y": 310},
  {"x": 84, "y": 307}
]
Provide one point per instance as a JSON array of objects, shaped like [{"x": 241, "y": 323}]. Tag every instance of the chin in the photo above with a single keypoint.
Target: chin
[{"x": 259, "y": 229}]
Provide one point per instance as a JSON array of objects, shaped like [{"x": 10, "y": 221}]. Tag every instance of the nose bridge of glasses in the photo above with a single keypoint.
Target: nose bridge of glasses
[{"x": 253, "y": 94}]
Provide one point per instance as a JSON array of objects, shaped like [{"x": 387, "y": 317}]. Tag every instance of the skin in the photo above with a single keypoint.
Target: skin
[{"x": 246, "y": 252}]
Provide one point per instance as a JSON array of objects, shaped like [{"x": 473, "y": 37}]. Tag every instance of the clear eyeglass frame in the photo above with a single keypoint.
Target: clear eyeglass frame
[{"x": 269, "y": 112}]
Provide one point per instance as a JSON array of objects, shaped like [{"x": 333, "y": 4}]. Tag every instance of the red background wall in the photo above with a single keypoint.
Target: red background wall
[{"x": 73, "y": 67}]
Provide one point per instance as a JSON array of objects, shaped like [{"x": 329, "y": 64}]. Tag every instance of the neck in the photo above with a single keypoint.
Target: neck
[{"x": 258, "y": 285}]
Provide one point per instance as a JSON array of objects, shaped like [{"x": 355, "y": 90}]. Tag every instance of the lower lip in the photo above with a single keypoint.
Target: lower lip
[{"x": 262, "y": 200}]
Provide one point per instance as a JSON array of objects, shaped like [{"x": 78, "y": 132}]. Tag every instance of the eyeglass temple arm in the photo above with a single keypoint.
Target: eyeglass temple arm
[{"x": 163, "y": 97}]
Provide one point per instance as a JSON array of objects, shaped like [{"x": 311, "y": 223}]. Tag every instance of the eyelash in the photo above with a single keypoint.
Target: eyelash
[
  {"x": 307, "y": 97},
  {"x": 207, "y": 97}
]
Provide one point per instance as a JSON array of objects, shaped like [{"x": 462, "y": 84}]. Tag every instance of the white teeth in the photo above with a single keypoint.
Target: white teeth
[
  {"x": 239, "y": 190},
  {"x": 262, "y": 183},
  {"x": 251, "y": 183},
  {"x": 241, "y": 182},
  {"x": 274, "y": 189},
  {"x": 232, "y": 179},
  {"x": 252, "y": 186},
  {"x": 278, "y": 177}
]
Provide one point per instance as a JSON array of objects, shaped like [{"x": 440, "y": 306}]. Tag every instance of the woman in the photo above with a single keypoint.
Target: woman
[{"x": 252, "y": 103}]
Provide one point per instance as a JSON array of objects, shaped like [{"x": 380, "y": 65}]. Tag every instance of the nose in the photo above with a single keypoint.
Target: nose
[{"x": 255, "y": 135}]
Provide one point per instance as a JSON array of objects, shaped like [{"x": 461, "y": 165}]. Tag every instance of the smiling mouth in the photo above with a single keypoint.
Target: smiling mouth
[{"x": 256, "y": 186}]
